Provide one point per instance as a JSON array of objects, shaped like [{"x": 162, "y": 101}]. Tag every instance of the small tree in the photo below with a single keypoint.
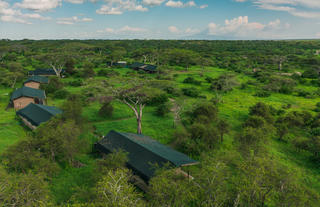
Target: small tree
[
  {"x": 114, "y": 189},
  {"x": 136, "y": 98},
  {"x": 223, "y": 128}
]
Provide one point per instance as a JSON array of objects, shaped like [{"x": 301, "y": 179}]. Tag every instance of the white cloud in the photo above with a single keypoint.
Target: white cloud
[
  {"x": 299, "y": 8},
  {"x": 124, "y": 30},
  {"x": 39, "y": 5},
  {"x": 35, "y": 16},
  {"x": 75, "y": 1},
  {"x": 8, "y": 14},
  {"x": 318, "y": 35},
  {"x": 152, "y": 2},
  {"x": 189, "y": 31},
  {"x": 173, "y": 29},
  {"x": 117, "y": 7},
  {"x": 180, "y": 4},
  {"x": 72, "y": 20},
  {"x": 241, "y": 27},
  {"x": 13, "y": 19},
  {"x": 203, "y": 6}
]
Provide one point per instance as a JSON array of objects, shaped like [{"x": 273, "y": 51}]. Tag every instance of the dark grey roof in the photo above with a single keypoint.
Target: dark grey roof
[
  {"x": 39, "y": 79},
  {"x": 143, "y": 151},
  {"x": 37, "y": 114},
  {"x": 45, "y": 72},
  {"x": 145, "y": 67},
  {"x": 28, "y": 92}
]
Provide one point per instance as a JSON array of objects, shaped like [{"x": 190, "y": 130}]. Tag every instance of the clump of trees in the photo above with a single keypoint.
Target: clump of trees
[{"x": 201, "y": 130}]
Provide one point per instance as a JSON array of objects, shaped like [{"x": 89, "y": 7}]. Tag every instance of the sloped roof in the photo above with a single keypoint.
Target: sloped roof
[
  {"x": 143, "y": 66},
  {"x": 143, "y": 151},
  {"x": 48, "y": 71},
  {"x": 28, "y": 92},
  {"x": 37, "y": 114},
  {"x": 39, "y": 79},
  {"x": 136, "y": 65}
]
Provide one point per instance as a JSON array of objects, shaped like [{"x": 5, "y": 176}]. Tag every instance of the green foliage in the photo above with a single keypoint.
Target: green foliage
[
  {"x": 59, "y": 140},
  {"x": 114, "y": 189},
  {"x": 23, "y": 190},
  {"x": 72, "y": 109},
  {"x": 263, "y": 94},
  {"x": 75, "y": 83},
  {"x": 191, "y": 80},
  {"x": 23, "y": 157},
  {"x": 106, "y": 110},
  {"x": 263, "y": 110},
  {"x": 224, "y": 83},
  {"x": 61, "y": 94},
  {"x": 54, "y": 85},
  {"x": 158, "y": 98},
  {"x": 163, "y": 109},
  {"x": 192, "y": 92}
]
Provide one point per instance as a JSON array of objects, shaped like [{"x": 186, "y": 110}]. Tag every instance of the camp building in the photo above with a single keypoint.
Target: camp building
[
  {"x": 144, "y": 153},
  {"x": 35, "y": 81},
  {"x": 145, "y": 67},
  {"x": 35, "y": 114},
  {"x": 43, "y": 72},
  {"x": 22, "y": 97}
]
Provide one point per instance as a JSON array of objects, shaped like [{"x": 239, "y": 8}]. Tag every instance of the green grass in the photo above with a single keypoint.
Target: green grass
[
  {"x": 10, "y": 129},
  {"x": 234, "y": 108}
]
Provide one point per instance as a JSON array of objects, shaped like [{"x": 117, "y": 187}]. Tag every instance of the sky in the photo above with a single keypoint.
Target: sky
[{"x": 160, "y": 19}]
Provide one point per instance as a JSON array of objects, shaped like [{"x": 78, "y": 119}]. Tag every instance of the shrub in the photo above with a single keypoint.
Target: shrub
[
  {"x": 163, "y": 109},
  {"x": 254, "y": 122},
  {"x": 61, "y": 94},
  {"x": 172, "y": 91},
  {"x": 106, "y": 110},
  {"x": 192, "y": 92},
  {"x": 224, "y": 83},
  {"x": 158, "y": 99},
  {"x": 315, "y": 131},
  {"x": 263, "y": 94},
  {"x": 191, "y": 80},
  {"x": 54, "y": 85},
  {"x": 263, "y": 110},
  {"x": 206, "y": 109},
  {"x": 76, "y": 83}
]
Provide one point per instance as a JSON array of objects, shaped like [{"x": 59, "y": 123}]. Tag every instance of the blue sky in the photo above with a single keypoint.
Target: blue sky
[{"x": 160, "y": 19}]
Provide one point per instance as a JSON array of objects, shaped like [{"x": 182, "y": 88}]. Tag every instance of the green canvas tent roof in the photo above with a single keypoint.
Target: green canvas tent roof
[
  {"x": 28, "y": 92},
  {"x": 37, "y": 114},
  {"x": 143, "y": 151},
  {"x": 39, "y": 79},
  {"x": 45, "y": 72}
]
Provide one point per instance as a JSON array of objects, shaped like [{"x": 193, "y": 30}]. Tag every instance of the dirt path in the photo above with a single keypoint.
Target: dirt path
[{"x": 175, "y": 110}]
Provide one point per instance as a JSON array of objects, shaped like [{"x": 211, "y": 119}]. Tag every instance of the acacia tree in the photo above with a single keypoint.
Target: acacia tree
[
  {"x": 56, "y": 61},
  {"x": 136, "y": 98}
]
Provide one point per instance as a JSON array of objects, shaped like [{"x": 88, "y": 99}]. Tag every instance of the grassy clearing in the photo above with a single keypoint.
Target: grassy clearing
[{"x": 233, "y": 108}]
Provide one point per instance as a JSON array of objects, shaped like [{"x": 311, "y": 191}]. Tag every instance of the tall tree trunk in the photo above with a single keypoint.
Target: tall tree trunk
[
  {"x": 14, "y": 82},
  {"x": 139, "y": 129}
]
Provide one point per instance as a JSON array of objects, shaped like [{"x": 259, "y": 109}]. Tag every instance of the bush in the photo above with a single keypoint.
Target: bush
[
  {"x": 263, "y": 94},
  {"x": 172, "y": 91},
  {"x": 54, "y": 85},
  {"x": 191, "y": 80},
  {"x": 263, "y": 110},
  {"x": 61, "y": 94},
  {"x": 158, "y": 99},
  {"x": 106, "y": 110},
  {"x": 315, "y": 131},
  {"x": 163, "y": 109},
  {"x": 207, "y": 109},
  {"x": 224, "y": 83},
  {"x": 76, "y": 83},
  {"x": 192, "y": 92}
]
